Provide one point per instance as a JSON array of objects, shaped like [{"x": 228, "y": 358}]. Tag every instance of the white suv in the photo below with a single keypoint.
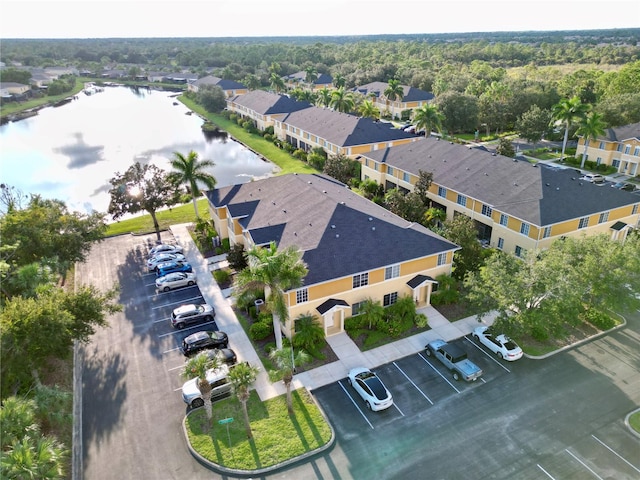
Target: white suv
[{"x": 593, "y": 178}]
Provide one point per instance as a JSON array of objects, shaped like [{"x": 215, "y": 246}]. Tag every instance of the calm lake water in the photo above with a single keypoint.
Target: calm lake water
[{"x": 70, "y": 152}]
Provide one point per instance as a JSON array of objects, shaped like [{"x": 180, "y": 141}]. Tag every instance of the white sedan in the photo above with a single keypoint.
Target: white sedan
[
  {"x": 153, "y": 262},
  {"x": 175, "y": 280},
  {"x": 370, "y": 388},
  {"x": 501, "y": 345},
  {"x": 165, "y": 248}
]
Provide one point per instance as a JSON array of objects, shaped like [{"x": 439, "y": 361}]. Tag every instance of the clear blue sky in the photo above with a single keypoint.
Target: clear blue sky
[{"x": 234, "y": 18}]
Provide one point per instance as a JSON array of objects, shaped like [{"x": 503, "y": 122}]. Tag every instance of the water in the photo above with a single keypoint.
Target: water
[{"x": 70, "y": 152}]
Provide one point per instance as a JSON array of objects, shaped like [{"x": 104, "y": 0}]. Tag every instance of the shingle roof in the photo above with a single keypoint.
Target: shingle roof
[
  {"x": 343, "y": 129},
  {"x": 538, "y": 195},
  {"x": 267, "y": 103},
  {"x": 410, "y": 94},
  {"x": 340, "y": 232},
  {"x": 626, "y": 132},
  {"x": 220, "y": 82},
  {"x": 321, "y": 79}
]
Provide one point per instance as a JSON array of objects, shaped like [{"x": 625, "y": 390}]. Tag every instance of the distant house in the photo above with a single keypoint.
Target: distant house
[
  {"x": 412, "y": 98},
  {"x": 619, "y": 147},
  {"x": 114, "y": 74},
  {"x": 299, "y": 79},
  {"x": 231, "y": 88},
  {"x": 13, "y": 90},
  {"x": 263, "y": 108},
  {"x": 354, "y": 249}
]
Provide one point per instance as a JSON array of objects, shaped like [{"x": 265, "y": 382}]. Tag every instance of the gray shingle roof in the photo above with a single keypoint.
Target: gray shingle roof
[
  {"x": 220, "y": 82},
  {"x": 267, "y": 103},
  {"x": 340, "y": 232},
  {"x": 626, "y": 132},
  {"x": 538, "y": 195},
  {"x": 410, "y": 94},
  {"x": 343, "y": 129}
]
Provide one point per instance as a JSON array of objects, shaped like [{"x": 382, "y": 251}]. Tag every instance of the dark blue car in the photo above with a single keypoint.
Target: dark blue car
[{"x": 171, "y": 267}]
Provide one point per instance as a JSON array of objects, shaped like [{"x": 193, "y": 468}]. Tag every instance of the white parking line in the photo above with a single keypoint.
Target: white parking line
[
  {"x": 398, "y": 408},
  {"x": 162, "y": 320},
  {"x": 487, "y": 354},
  {"x": 185, "y": 329},
  {"x": 583, "y": 464},
  {"x": 615, "y": 453},
  {"x": 181, "y": 302},
  {"x": 171, "y": 350},
  {"x": 547, "y": 473},
  {"x": 436, "y": 370},
  {"x": 355, "y": 404},
  {"x": 175, "y": 289},
  {"x": 417, "y": 388},
  {"x": 175, "y": 368}
]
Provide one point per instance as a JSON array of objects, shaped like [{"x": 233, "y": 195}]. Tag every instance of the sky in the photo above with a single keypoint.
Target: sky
[{"x": 270, "y": 18}]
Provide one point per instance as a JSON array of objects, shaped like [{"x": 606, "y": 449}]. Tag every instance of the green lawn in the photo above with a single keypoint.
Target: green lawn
[
  {"x": 277, "y": 437},
  {"x": 634, "y": 421}
]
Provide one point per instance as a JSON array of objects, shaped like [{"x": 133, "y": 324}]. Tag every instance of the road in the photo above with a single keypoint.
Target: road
[{"x": 559, "y": 418}]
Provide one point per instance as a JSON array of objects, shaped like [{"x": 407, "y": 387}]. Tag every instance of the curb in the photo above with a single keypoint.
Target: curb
[
  {"x": 626, "y": 422},
  {"x": 260, "y": 471}
]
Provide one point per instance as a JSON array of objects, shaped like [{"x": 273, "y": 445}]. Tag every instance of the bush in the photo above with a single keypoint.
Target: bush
[
  {"x": 300, "y": 155},
  {"x": 260, "y": 329},
  {"x": 421, "y": 320},
  {"x": 237, "y": 257},
  {"x": 268, "y": 137},
  {"x": 221, "y": 276},
  {"x": 599, "y": 319}
]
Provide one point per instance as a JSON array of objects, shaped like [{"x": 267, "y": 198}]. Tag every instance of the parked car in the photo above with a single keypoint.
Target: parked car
[
  {"x": 175, "y": 280},
  {"x": 593, "y": 178},
  {"x": 205, "y": 340},
  {"x": 627, "y": 187},
  {"x": 224, "y": 355},
  {"x": 192, "y": 313},
  {"x": 169, "y": 267},
  {"x": 455, "y": 359},
  {"x": 370, "y": 388},
  {"x": 500, "y": 344},
  {"x": 165, "y": 248},
  {"x": 164, "y": 257},
  {"x": 220, "y": 387}
]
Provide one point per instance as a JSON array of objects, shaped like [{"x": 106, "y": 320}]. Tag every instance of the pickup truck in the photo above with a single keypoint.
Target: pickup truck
[{"x": 455, "y": 359}]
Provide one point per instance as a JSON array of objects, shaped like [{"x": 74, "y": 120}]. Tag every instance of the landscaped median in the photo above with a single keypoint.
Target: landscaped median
[{"x": 279, "y": 439}]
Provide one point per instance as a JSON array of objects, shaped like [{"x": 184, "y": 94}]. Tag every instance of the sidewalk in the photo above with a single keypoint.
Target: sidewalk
[{"x": 349, "y": 355}]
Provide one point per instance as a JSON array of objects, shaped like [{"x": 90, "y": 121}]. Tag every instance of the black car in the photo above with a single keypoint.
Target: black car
[
  {"x": 205, "y": 340},
  {"x": 225, "y": 355}
]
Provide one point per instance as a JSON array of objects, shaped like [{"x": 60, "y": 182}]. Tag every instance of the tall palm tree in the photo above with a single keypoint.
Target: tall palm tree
[
  {"x": 286, "y": 362},
  {"x": 38, "y": 457},
  {"x": 368, "y": 109},
  {"x": 242, "y": 377},
  {"x": 277, "y": 82},
  {"x": 311, "y": 74},
  {"x": 197, "y": 367},
  {"x": 276, "y": 271},
  {"x": 191, "y": 171},
  {"x": 324, "y": 97},
  {"x": 429, "y": 118},
  {"x": 394, "y": 91},
  {"x": 566, "y": 112},
  {"x": 591, "y": 127},
  {"x": 339, "y": 81},
  {"x": 342, "y": 100}
]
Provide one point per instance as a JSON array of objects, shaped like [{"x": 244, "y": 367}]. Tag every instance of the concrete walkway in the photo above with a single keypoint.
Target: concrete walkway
[{"x": 349, "y": 355}]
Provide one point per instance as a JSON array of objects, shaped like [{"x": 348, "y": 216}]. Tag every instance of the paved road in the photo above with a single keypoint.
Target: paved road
[{"x": 558, "y": 418}]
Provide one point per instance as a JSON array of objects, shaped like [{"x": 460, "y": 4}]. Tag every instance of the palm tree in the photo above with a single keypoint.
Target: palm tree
[
  {"x": 435, "y": 216},
  {"x": 591, "y": 127},
  {"x": 394, "y": 91},
  {"x": 277, "y": 82},
  {"x": 342, "y": 100},
  {"x": 197, "y": 367},
  {"x": 566, "y": 112},
  {"x": 324, "y": 97},
  {"x": 276, "y": 271},
  {"x": 309, "y": 334},
  {"x": 368, "y": 109},
  {"x": 286, "y": 362},
  {"x": 191, "y": 171},
  {"x": 339, "y": 81},
  {"x": 311, "y": 74},
  {"x": 429, "y": 118},
  {"x": 39, "y": 457},
  {"x": 242, "y": 377}
]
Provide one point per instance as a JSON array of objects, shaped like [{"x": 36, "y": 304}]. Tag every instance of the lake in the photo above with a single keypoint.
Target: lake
[{"x": 70, "y": 152}]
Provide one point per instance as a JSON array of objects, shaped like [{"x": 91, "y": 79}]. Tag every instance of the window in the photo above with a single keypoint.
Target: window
[
  {"x": 302, "y": 295},
  {"x": 634, "y": 210},
  {"x": 390, "y": 170},
  {"x": 462, "y": 200},
  {"x": 376, "y": 166},
  {"x": 601, "y": 147},
  {"x": 524, "y": 228},
  {"x": 616, "y": 163},
  {"x": 360, "y": 280},
  {"x": 390, "y": 299},
  {"x": 598, "y": 161},
  {"x": 392, "y": 272},
  {"x": 519, "y": 251},
  {"x": 503, "y": 219},
  {"x": 355, "y": 308},
  {"x": 442, "y": 192},
  {"x": 546, "y": 233},
  {"x": 487, "y": 210},
  {"x": 500, "y": 243},
  {"x": 627, "y": 149},
  {"x": 584, "y": 222},
  {"x": 636, "y": 151},
  {"x": 603, "y": 217},
  {"x": 442, "y": 258},
  {"x": 406, "y": 177}
]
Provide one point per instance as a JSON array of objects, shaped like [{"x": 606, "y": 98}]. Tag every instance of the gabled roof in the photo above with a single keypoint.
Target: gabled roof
[
  {"x": 321, "y": 79},
  {"x": 410, "y": 94},
  {"x": 343, "y": 129},
  {"x": 339, "y": 232},
  {"x": 267, "y": 103},
  {"x": 220, "y": 82},
  {"x": 537, "y": 195},
  {"x": 626, "y": 132}
]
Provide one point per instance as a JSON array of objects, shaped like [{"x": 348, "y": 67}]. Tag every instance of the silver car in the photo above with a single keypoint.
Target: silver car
[
  {"x": 153, "y": 262},
  {"x": 220, "y": 387},
  {"x": 175, "y": 280}
]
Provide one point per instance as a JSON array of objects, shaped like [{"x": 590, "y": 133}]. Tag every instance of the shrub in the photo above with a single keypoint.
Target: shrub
[
  {"x": 421, "y": 320},
  {"x": 268, "y": 137},
  {"x": 237, "y": 257},
  {"x": 539, "y": 333},
  {"x": 599, "y": 319},
  {"x": 447, "y": 291},
  {"x": 309, "y": 334},
  {"x": 221, "y": 276},
  {"x": 260, "y": 329},
  {"x": 225, "y": 244}
]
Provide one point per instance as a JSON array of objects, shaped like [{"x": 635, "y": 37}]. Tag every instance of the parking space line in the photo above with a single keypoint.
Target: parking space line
[
  {"x": 177, "y": 303},
  {"x": 487, "y": 354},
  {"x": 417, "y": 388},
  {"x": 583, "y": 464},
  {"x": 615, "y": 453},
  {"x": 175, "y": 368},
  {"x": 184, "y": 329},
  {"x": 436, "y": 370},
  {"x": 171, "y": 350},
  {"x": 355, "y": 404},
  {"x": 174, "y": 289},
  {"x": 398, "y": 408},
  {"x": 545, "y": 472},
  {"x": 162, "y": 320}
]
